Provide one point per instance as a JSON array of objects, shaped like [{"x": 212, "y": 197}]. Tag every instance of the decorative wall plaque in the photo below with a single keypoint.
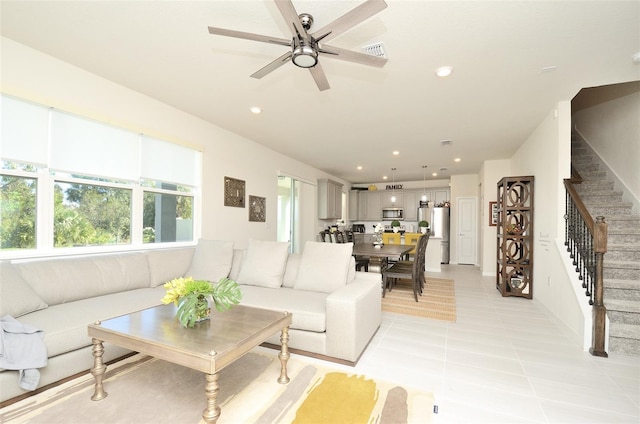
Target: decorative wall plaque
[
  {"x": 257, "y": 208},
  {"x": 233, "y": 192}
]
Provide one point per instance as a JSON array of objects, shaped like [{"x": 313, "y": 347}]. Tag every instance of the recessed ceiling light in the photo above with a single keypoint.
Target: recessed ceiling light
[
  {"x": 435, "y": 174},
  {"x": 396, "y": 153},
  {"x": 359, "y": 168},
  {"x": 384, "y": 177},
  {"x": 457, "y": 160},
  {"x": 444, "y": 71},
  {"x": 255, "y": 109},
  {"x": 636, "y": 58}
]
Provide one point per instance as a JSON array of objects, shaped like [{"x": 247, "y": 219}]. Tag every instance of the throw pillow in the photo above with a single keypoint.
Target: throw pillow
[
  {"x": 291, "y": 271},
  {"x": 16, "y": 295},
  {"x": 264, "y": 263},
  {"x": 324, "y": 267},
  {"x": 211, "y": 260},
  {"x": 165, "y": 265}
]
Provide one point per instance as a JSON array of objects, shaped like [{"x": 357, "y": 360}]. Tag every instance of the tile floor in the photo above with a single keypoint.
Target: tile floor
[{"x": 481, "y": 370}]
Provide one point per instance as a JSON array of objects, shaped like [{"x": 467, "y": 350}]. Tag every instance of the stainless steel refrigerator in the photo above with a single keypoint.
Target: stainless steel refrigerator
[{"x": 440, "y": 228}]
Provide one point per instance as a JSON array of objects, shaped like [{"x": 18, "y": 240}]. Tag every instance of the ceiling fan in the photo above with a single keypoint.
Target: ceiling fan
[{"x": 306, "y": 47}]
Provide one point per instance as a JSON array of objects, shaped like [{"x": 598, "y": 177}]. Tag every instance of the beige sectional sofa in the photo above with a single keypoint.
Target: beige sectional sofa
[{"x": 336, "y": 310}]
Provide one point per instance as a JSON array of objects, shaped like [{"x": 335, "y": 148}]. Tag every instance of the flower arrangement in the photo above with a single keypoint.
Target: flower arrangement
[
  {"x": 377, "y": 235},
  {"x": 191, "y": 297}
]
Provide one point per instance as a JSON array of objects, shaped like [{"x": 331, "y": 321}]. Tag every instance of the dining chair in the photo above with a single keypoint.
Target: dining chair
[
  {"x": 408, "y": 270},
  {"x": 412, "y": 238},
  {"x": 392, "y": 238},
  {"x": 361, "y": 261}
]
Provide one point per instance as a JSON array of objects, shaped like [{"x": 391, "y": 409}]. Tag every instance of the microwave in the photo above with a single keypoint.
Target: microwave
[{"x": 392, "y": 214}]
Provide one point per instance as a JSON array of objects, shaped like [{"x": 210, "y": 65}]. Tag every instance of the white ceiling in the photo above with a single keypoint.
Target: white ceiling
[{"x": 498, "y": 93}]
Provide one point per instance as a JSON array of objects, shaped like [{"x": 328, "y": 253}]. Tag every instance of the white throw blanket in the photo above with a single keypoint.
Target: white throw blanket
[{"x": 22, "y": 348}]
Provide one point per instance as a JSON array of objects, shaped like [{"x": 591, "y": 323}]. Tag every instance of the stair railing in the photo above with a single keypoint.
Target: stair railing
[{"x": 586, "y": 242}]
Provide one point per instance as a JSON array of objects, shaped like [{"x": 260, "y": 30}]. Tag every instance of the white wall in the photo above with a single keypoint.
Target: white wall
[
  {"x": 610, "y": 122},
  {"x": 547, "y": 156},
  {"x": 461, "y": 186},
  {"x": 490, "y": 173},
  {"x": 34, "y": 76}
]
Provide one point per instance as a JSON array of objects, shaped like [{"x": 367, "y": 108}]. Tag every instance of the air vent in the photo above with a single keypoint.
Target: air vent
[
  {"x": 376, "y": 49},
  {"x": 445, "y": 143}
]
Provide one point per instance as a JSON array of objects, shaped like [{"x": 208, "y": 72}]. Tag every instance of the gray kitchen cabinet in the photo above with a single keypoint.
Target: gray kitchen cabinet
[
  {"x": 441, "y": 196},
  {"x": 386, "y": 198},
  {"x": 411, "y": 202},
  {"x": 370, "y": 206},
  {"x": 329, "y": 199},
  {"x": 354, "y": 205}
]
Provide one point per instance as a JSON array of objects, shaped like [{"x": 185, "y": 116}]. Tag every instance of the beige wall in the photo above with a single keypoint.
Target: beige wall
[
  {"x": 31, "y": 75},
  {"x": 547, "y": 156},
  {"x": 608, "y": 118},
  {"x": 462, "y": 186},
  {"x": 490, "y": 173}
]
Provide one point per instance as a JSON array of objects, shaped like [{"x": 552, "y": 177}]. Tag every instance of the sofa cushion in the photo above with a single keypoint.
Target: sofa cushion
[
  {"x": 167, "y": 264},
  {"x": 308, "y": 308},
  {"x": 63, "y": 280},
  {"x": 291, "y": 270},
  {"x": 16, "y": 296},
  {"x": 238, "y": 257},
  {"x": 264, "y": 263},
  {"x": 211, "y": 260},
  {"x": 324, "y": 267},
  {"x": 65, "y": 325}
]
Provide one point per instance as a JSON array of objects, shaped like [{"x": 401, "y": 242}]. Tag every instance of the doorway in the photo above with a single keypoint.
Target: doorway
[
  {"x": 296, "y": 203},
  {"x": 467, "y": 227}
]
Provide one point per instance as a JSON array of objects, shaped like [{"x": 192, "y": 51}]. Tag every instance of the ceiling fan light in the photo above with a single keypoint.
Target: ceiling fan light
[{"x": 304, "y": 56}]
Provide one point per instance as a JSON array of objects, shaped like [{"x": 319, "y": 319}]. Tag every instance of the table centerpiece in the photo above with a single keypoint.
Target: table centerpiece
[{"x": 192, "y": 297}]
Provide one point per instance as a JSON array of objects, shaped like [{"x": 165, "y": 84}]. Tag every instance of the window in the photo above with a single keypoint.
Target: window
[
  {"x": 167, "y": 215},
  {"x": 18, "y": 200},
  {"x": 69, "y": 182},
  {"x": 90, "y": 214}
]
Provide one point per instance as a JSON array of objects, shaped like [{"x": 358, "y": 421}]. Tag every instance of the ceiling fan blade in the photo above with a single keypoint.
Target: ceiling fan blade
[
  {"x": 350, "y": 19},
  {"x": 319, "y": 77},
  {"x": 249, "y": 36},
  {"x": 272, "y": 66},
  {"x": 290, "y": 16},
  {"x": 355, "y": 57}
]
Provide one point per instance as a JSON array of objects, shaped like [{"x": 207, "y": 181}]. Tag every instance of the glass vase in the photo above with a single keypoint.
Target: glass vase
[{"x": 203, "y": 309}]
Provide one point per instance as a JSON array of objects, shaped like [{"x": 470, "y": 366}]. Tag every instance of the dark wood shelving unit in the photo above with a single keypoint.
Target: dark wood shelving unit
[{"x": 514, "y": 267}]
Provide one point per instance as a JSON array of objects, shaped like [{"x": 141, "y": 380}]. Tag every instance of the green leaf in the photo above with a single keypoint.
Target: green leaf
[
  {"x": 226, "y": 294},
  {"x": 187, "y": 312}
]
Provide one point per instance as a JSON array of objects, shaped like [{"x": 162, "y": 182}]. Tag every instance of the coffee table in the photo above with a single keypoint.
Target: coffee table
[{"x": 208, "y": 347}]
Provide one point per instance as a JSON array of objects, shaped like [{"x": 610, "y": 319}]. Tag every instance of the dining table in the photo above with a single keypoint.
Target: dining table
[{"x": 384, "y": 252}]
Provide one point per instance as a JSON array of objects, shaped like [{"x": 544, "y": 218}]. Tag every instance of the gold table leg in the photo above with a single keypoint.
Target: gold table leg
[
  {"x": 284, "y": 356},
  {"x": 211, "y": 414},
  {"x": 98, "y": 369}
]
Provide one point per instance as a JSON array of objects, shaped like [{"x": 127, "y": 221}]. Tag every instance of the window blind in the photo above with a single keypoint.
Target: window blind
[
  {"x": 25, "y": 131},
  {"x": 168, "y": 162},
  {"x": 82, "y": 146}
]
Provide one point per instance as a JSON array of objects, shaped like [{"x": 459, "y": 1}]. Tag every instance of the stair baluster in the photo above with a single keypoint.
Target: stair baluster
[{"x": 587, "y": 242}]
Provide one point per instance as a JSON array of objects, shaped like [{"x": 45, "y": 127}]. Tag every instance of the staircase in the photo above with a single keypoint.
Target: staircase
[{"x": 622, "y": 260}]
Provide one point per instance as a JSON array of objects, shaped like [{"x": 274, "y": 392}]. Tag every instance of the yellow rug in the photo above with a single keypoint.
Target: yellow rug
[
  {"x": 438, "y": 300},
  {"x": 142, "y": 390}
]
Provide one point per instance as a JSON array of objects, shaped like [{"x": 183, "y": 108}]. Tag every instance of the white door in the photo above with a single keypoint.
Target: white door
[{"x": 467, "y": 224}]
